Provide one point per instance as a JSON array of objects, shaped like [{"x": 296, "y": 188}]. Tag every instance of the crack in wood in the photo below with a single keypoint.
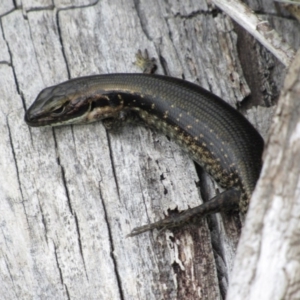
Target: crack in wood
[
  {"x": 112, "y": 247},
  {"x": 62, "y": 44},
  {"x": 112, "y": 163},
  {"x": 63, "y": 176},
  {"x": 15, "y": 159},
  {"x": 80, "y": 244},
  {"x": 58, "y": 266},
  {"x": 44, "y": 221}
]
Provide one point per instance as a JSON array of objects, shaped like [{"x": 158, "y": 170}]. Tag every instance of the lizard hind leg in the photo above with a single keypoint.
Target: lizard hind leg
[{"x": 226, "y": 201}]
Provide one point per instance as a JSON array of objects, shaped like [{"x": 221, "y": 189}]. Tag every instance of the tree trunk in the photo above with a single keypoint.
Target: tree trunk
[
  {"x": 70, "y": 195},
  {"x": 269, "y": 248}
]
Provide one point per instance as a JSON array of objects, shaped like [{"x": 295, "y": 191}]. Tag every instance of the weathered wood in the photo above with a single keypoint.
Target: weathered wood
[
  {"x": 258, "y": 27},
  {"x": 269, "y": 247},
  {"x": 70, "y": 195}
]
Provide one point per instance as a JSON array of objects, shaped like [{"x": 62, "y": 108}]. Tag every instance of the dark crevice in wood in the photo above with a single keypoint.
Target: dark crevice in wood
[
  {"x": 9, "y": 52},
  {"x": 44, "y": 222},
  {"x": 164, "y": 65},
  {"x": 73, "y": 137},
  {"x": 112, "y": 163},
  {"x": 142, "y": 18},
  {"x": 60, "y": 272},
  {"x": 15, "y": 3},
  {"x": 58, "y": 266},
  {"x": 144, "y": 202},
  {"x": 43, "y": 8},
  {"x": 67, "y": 292},
  {"x": 52, "y": 7},
  {"x": 33, "y": 45},
  {"x": 15, "y": 158},
  {"x": 212, "y": 222},
  {"x": 214, "y": 12},
  {"x": 178, "y": 272},
  {"x": 66, "y": 189},
  {"x": 70, "y": 7},
  {"x": 13, "y": 72},
  {"x": 62, "y": 173},
  {"x": 199, "y": 266},
  {"x": 258, "y": 67},
  {"x": 56, "y": 147},
  {"x": 112, "y": 247},
  {"x": 62, "y": 45},
  {"x": 7, "y": 13},
  {"x": 162, "y": 178},
  {"x": 7, "y": 265},
  {"x": 80, "y": 244}
]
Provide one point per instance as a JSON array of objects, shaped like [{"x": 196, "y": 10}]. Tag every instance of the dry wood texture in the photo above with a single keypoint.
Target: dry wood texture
[
  {"x": 267, "y": 265},
  {"x": 70, "y": 195}
]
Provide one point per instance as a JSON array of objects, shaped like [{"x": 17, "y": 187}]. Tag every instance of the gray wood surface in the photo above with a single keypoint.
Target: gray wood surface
[
  {"x": 70, "y": 195},
  {"x": 267, "y": 263}
]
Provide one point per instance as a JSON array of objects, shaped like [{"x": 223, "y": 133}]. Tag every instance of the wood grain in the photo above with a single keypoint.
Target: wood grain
[{"x": 70, "y": 195}]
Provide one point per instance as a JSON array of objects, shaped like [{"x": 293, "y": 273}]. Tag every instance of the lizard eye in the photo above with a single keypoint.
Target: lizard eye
[{"x": 59, "y": 111}]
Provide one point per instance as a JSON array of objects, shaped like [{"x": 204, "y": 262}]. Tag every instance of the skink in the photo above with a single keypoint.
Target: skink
[{"x": 216, "y": 136}]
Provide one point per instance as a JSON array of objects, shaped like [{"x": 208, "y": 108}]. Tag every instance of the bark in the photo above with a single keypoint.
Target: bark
[
  {"x": 267, "y": 263},
  {"x": 70, "y": 195}
]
